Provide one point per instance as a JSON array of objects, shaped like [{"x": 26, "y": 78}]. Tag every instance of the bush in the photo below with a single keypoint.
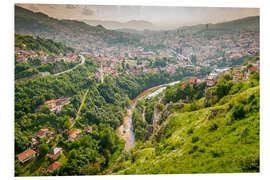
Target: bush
[
  {"x": 195, "y": 139},
  {"x": 250, "y": 164},
  {"x": 213, "y": 127},
  {"x": 190, "y": 131},
  {"x": 43, "y": 149},
  {"x": 223, "y": 87},
  {"x": 238, "y": 111}
]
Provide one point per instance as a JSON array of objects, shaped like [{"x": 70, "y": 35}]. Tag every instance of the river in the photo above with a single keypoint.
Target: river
[{"x": 126, "y": 129}]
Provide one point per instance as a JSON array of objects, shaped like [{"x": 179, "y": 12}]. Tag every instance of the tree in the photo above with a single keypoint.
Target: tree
[
  {"x": 67, "y": 124},
  {"x": 238, "y": 111},
  {"x": 43, "y": 149},
  {"x": 223, "y": 87},
  {"x": 45, "y": 109}
]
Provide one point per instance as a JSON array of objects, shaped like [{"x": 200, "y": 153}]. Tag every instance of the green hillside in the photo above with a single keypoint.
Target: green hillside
[
  {"x": 249, "y": 23},
  {"x": 220, "y": 138},
  {"x": 34, "y": 65},
  {"x": 71, "y": 32},
  {"x": 239, "y": 24},
  {"x": 40, "y": 44}
]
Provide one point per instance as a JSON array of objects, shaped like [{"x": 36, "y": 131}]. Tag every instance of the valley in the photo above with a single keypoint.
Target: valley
[{"x": 94, "y": 101}]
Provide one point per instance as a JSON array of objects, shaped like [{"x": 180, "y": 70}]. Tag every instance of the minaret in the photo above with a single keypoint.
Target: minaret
[{"x": 101, "y": 72}]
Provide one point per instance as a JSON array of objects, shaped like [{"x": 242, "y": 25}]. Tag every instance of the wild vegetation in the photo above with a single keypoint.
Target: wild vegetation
[
  {"x": 190, "y": 127},
  {"x": 103, "y": 108},
  {"x": 37, "y": 44},
  {"x": 219, "y": 136}
]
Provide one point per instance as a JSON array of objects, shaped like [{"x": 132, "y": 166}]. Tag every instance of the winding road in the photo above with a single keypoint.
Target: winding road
[{"x": 82, "y": 62}]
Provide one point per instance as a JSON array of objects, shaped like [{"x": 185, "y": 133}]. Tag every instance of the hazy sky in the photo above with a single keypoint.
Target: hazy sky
[{"x": 167, "y": 16}]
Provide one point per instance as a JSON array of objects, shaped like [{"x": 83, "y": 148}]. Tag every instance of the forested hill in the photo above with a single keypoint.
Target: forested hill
[
  {"x": 71, "y": 32},
  {"x": 244, "y": 24},
  {"x": 248, "y": 23},
  {"x": 40, "y": 44}
]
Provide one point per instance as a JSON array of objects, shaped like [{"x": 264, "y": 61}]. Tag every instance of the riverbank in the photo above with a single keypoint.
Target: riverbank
[{"x": 125, "y": 131}]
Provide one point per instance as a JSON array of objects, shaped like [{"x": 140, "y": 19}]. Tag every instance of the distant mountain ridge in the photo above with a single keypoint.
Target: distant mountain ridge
[
  {"x": 72, "y": 33},
  {"x": 82, "y": 36},
  {"x": 252, "y": 22},
  {"x": 133, "y": 24}
]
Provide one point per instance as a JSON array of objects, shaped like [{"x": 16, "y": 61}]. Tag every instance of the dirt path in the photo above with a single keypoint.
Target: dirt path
[{"x": 80, "y": 108}]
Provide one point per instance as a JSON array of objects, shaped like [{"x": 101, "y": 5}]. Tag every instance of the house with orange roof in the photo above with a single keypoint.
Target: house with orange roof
[
  {"x": 57, "y": 104},
  {"x": 27, "y": 155},
  {"x": 73, "y": 134},
  {"x": 43, "y": 133},
  {"x": 54, "y": 166},
  {"x": 21, "y": 58},
  {"x": 253, "y": 69}
]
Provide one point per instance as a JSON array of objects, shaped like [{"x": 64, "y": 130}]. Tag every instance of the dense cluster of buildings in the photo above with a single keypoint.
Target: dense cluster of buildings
[
  {"x": 237, "y": 73},
  {"x": 22, "y": 55},
  {"x": 223, "y": 46}
]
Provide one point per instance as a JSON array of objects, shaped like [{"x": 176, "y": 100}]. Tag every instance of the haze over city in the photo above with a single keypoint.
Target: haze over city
[{"x": 162, "y": 17}]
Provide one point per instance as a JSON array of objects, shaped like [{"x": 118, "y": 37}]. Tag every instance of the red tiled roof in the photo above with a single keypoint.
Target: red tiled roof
[
  {"x": 54, "y": 166},
  {"x": 19, "y": 57},
  {"x": 42, "y": 131},
  {"x": 87, "y": 128},
  {"x": 27, "y": 153},
  {"x": 253, "y": 68},
  {"x": 192, "y": 80},
  {"x": 74, "y": 133}
]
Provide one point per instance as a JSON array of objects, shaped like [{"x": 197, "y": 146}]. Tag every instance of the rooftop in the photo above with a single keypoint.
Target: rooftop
[
  {"x": 54, "y": 166},
  {"x": 27, "y": 153}
]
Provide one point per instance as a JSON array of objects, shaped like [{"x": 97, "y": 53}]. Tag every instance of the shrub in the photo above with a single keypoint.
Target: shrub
[
  {"x": 160, "y": 107},
  {"x": 213, "y": 127},
  {"x": 195, "y": 139},
  {"x": 250, "y": 164},
  {"x": 190, "y": 131},
  {"x": 223, "y": 87},
  {"x": 238, "y": 111}
]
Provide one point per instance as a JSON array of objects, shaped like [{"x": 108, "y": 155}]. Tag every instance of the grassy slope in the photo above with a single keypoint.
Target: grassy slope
[{"x": 232, "y": 147}]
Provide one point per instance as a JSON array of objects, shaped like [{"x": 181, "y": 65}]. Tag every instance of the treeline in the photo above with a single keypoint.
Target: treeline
[
  {"x": 133, "y": 85},
  {"x": 161, "y": 62},
  {"x": 186, "y": 92}
]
